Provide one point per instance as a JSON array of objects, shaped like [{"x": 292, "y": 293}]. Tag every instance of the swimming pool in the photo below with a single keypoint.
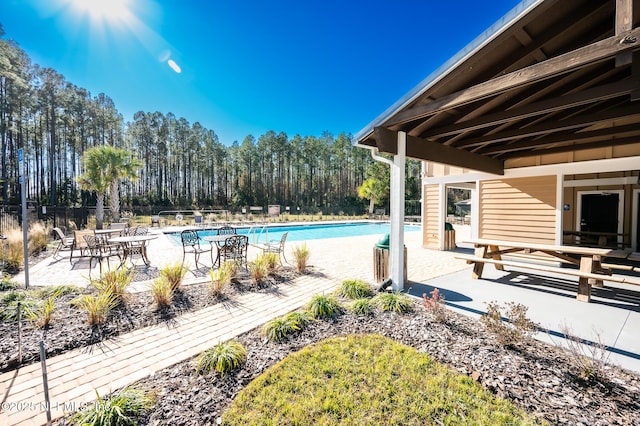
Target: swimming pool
[{"x": 258, "y": 233}]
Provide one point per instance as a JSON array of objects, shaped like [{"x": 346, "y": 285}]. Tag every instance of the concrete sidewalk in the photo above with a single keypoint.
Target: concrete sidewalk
[{"x": 74, "y": 377}]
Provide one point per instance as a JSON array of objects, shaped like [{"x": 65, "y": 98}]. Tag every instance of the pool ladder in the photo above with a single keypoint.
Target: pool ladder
[{"x": 255, "y": 232}]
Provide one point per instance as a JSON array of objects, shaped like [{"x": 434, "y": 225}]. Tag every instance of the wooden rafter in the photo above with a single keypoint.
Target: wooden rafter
[
  {"x": 422, "y": 149},
  {"x": 561, "y": 64}
]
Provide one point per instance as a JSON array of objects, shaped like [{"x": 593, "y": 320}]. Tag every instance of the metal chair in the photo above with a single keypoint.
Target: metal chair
[
  {"x": 100, "y": 251},
  {"x": 276, "y": 247},
  {"x": 226, "y": 230},
  {"x": 64, "y": 241},
  {"x": 191, "y": 244},
  {"x": 234, "y": 249}
]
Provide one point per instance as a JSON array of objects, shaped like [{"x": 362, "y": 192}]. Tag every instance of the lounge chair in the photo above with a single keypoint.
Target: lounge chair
[{"x": 64, "y": 241}]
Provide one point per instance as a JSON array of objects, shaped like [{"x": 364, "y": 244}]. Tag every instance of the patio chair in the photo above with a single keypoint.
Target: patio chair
[
  {"x": 80, "y": 244},
  {"x": 226, "y": 230},
  {"x": 235, "y": 249},
  {"x": 64, "y": 241},
  {"x": 99, "y": 251},
  {"x": 198, "y": 220},
  {"x": 191, "y": 244},
  {"x": 276, "y": 247}
]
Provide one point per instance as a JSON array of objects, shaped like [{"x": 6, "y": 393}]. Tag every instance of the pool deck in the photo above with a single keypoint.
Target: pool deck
[{"x": 613, "y": 314}]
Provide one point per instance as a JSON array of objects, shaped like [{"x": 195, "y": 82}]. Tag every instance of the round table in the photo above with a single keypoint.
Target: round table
[{"x": 134, "y": 244}]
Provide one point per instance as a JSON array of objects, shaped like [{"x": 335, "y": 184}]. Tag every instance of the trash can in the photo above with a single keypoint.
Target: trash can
[
  {"x": 381, "y": 260},
  {"x": 449, "y": 237}
]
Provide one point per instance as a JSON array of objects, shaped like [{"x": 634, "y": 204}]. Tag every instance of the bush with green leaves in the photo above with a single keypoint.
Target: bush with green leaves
[
  {"x": 97, "y": 306},
  {"x": 393, "y": 302},
  {"x": 29, "y": 306},
  {"x": 162, "y": 290},
  {"x": 174, "y": 274},
  {"x": 222, "y": 358},
  {"x": 125, "y": 407},
  {"x": 323, "y": 306},
  {"x": 362, "y": 306},
  {"x": 259, "y": 269},
  {"x": 115, "y": 283},
  {"x": 278, "y": 329},
  {"x": 301, "y": 254},
  {"x": 514, "y": 329},
  {"x": 7, "y": 284},
  {"x": 354, "y": 289}
]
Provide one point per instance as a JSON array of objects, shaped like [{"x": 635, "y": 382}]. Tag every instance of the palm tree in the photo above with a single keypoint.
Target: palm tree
[
  {"x": 104, "y": 168},
  {"x": 120, "y": 166},
  {"x": 95, "y": 179},
  {"x": 372, "y": 189}
]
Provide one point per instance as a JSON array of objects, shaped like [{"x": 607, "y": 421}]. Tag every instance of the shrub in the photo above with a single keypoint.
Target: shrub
[
  {"x": 435, "y": 305},
  {"x": 221, "y": 278},
  {"x": 394, "y": 302},
  {"x": 29, "y": 306},
  {"x": 280, "y": 328},
  {"x": 301, "y": 254},
  {"x": 590, "y": 359},
  {"x": 7, "y": 284},
  {"x": 38, "y": 237},
  {"x": 258, "y": 269},
  {"x": 14, "y": 254},
  {"x": 323, "y": 306},
  {"x": 271, "y": 259},
  {"x": 162, "y": 291},
  {"x": 354, "y": 289},
  {"x": 96, "y": 306},
  {"x": 514, "y": 329},
  {"x": 121, "y": 408},
  {"x": 222, "y": 358},
  {"x": 361, "y": 307},
  {"x": 115, "y": 283},
  {"x": 174, "y": 274},
  {"x": 58, "y": 290},
  {"x": 44, "y": 314}
]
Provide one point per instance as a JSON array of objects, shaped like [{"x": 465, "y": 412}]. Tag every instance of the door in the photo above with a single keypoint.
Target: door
[{"x": 600, "y": 212}]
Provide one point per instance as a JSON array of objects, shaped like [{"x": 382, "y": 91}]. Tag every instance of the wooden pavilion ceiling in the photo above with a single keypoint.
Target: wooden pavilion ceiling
[{"x": 563, "y": 77}]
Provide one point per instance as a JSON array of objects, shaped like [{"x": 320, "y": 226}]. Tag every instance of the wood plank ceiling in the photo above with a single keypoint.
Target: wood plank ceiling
[{"x": 561, "y": 78}]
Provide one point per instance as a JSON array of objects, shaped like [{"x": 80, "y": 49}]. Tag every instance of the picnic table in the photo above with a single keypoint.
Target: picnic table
[{"x": 589, "y": 261}]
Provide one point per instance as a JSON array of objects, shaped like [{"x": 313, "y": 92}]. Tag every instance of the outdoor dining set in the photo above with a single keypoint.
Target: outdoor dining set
[{"x": 118, "y": 240}]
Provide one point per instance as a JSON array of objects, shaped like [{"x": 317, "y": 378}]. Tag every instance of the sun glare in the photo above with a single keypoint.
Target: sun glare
[{"x": 104, "y": 10}]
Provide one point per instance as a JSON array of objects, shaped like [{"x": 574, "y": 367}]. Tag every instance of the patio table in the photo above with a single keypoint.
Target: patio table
[
  {"x": 134, "y": 244},
  {"x": 218, "y": 240}
]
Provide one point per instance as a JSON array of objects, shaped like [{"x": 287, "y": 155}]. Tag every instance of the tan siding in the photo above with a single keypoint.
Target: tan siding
[
  {"x": 430, "y": 217},
  {"x": 522, "y": 209}
]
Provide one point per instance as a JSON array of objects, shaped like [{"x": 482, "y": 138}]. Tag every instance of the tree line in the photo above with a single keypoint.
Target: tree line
[{"x": 183, "y": 164}]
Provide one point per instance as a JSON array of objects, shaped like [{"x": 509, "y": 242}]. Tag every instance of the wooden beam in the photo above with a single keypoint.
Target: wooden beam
[
  {"x": 567, "y": 62},
  {"x": 588, "y": 96},
  {"x": 553, "y": 126},
  {"x": 573, "y": 147},
  {"x": 624, "y": 22},
  {"x": 422, "y": 149},
  {"x": 550, "y": 140},
  {"x": 386, "y": 140}
]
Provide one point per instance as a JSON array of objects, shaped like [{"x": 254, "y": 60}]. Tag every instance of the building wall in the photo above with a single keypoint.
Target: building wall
[
  {"x": 430, "y": 215},
  {"x": 519, "y": 209}
]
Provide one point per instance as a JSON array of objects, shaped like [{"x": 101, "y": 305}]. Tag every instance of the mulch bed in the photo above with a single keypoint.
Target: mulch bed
[{"x": 540, "y": 378}]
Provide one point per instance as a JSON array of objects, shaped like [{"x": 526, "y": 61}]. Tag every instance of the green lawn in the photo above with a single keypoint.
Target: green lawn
[{"x": 367, "y": 380}]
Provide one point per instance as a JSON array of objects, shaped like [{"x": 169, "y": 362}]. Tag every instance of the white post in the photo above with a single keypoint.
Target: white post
[{"x": 396, "y": 241}]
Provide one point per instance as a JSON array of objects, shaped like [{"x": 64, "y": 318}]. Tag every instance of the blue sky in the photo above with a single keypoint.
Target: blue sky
[{"x": 246, "y": 67}]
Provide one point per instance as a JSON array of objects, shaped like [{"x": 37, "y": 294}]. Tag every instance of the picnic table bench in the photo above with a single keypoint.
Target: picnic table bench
[{"x": 591, "y": 270}]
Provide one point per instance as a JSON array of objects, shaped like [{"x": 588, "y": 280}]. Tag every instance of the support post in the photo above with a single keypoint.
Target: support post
[{"x": 396, "y": 241}]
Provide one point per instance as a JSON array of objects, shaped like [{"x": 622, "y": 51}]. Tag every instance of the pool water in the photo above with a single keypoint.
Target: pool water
[{"x": 258, "y": 234}]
